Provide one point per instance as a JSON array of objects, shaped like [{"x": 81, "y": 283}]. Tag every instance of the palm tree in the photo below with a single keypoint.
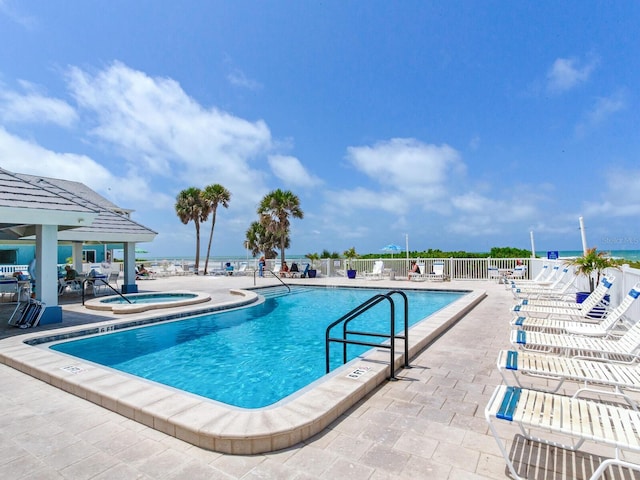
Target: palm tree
[
  {"x": 259, "y": 240},
  {"x": 593, "y": 262},
  {"x": 190, "y": 207},
  {"x": 274, "y": 210},
  {"x": 212, "y": 196}
]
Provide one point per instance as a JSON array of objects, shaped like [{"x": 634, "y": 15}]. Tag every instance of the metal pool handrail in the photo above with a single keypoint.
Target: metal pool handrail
[
  {"x": 360, "y": 309},
  {"x": 274, "y": 274},
  {"x": 94, "y": 280}
]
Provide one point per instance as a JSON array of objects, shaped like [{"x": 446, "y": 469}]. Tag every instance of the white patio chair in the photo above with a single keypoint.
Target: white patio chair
[
  {"x": 437, "y": 273},
  {"x": 377, "y": 271},
  {"x": 577, "y": 418},
  {"x": 518, "y": 273},
  {"x": 493, "y": 273},
  {"x": 419, "y": 277},
  {"x": 69, "y": 286},
  {"x": 105, "y": 285},
  {"x": 9, "y": 288}
]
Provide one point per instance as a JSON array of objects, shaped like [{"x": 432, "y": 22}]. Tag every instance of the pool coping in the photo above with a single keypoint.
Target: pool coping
[
  {"x": 212, "y": 425},
  {"x": 123, "y": 308}
]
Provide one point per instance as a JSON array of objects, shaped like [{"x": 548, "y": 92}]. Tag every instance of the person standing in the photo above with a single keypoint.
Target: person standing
[
  {"x": 31, "y": 269},
  {"x": 261, "y": 264}
]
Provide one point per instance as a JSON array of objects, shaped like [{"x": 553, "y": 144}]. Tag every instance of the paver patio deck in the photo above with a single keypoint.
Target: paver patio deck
[{"x": 429, "y": 424}]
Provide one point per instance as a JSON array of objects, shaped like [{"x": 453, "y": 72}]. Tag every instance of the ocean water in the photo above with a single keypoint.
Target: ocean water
[{"x": 631, "y": 255}]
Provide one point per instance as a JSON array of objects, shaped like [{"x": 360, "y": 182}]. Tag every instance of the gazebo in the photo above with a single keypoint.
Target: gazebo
[{"x": 47, "y": 211}]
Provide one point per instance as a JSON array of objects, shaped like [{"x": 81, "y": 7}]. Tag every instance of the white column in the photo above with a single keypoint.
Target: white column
[
  {"x": 533, "y": 245},
  {"x": 76, "y": 253},
  {"x": 47, "y": 272},
  {"x": 129, "y": 285}
]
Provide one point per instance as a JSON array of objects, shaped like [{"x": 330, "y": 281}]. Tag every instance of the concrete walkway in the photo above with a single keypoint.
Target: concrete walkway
[{"x": 429, "y": 424}]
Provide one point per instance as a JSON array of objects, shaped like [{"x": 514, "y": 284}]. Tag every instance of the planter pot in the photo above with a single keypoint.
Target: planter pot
[
  {"x": 598, "y": 310},
  {"x": 351, "y": 273},
  {"x": 312, "y": 273}
]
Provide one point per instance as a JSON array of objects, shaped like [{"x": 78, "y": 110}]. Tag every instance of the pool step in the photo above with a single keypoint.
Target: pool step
[{"x": 279, "y": 291}]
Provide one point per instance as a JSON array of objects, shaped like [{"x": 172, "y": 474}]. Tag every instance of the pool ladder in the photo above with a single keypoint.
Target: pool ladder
[{"x": 392, "y": 336}]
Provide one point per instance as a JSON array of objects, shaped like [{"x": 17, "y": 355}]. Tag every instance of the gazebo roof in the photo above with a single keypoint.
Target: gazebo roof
[{"x": 80, "y": 213}]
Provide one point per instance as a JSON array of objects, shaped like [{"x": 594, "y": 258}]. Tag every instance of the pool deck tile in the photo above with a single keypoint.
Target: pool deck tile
[{"x": 427, "y": 424}]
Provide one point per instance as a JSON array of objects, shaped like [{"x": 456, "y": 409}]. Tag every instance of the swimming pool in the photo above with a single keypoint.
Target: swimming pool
[{"x": 251, "y": 357}]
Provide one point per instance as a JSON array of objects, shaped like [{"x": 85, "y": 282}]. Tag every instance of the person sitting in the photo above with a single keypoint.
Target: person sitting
[
  {"x": 284, "y": 270},
  {"x": 414, "y": 271},
  {"x": 415, "y": 268},
  {"x": 141, "y": 271},
  {"x": 294, "y": 270},
  {"x": 70, "y": 273},
  {"x": 229, "y": 268}
]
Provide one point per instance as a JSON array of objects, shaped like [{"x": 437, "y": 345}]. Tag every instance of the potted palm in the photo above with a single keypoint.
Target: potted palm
[
  {"x": 314, "y": 257},
  {"x": 350, "y": 254},
  {"x": 592, "y": 265}
]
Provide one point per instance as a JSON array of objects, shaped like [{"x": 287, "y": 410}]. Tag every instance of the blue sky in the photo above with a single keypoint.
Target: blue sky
[{"x": 462, "y": 124}]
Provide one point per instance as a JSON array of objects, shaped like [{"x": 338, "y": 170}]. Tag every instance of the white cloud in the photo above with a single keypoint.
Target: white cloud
[
  {"x": 33, "y": 107},
  {"x": 346, "y": 201},
  {"x": 8, "y": 10},
  {"x": 567, "y": 73},
  {"x": 237, "y": 78},
  {"x": 406, "y": 163},
  {"x": 22, "y": 156},
  {"x": 619, "y": 198},
  {"x": 291, "y": 171},
  {"x": 603, "y": 109},
  {"x": 161, "y": 131}
]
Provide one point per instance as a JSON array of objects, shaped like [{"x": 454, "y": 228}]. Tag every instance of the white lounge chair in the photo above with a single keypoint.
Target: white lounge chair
[
  {"x": 573, "y": 310},
  {"x": 614, "y": 319},
  {"x": 592, "y": 374},
  {"x": 560, "y": 279},
  {"x": 562, "y": 289},
  {"x": 600, "y": 293},
  {"x": 546, "y": 276},
  {"x": 624, "y": 347},
  {"x": 577, "y": 418},
  {"x": 377, "y": 271}
]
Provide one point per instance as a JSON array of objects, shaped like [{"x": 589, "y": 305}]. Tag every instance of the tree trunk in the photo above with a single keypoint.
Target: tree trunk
[
  {"x": 213, "y": 224},
  {"x": 197, "y": 267}
]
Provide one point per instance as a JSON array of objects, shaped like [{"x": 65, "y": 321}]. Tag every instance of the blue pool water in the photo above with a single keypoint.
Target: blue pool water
[
  {"x": 149, "y": 298},
  {"x": 250, "y": 357}
]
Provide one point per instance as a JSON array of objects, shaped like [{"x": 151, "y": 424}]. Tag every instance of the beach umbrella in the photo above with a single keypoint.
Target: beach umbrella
[{"x": 392, "y": 248}]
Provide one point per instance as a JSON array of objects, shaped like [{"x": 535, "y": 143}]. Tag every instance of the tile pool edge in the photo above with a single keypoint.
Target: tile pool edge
[{"x": 215, "y": 426}]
